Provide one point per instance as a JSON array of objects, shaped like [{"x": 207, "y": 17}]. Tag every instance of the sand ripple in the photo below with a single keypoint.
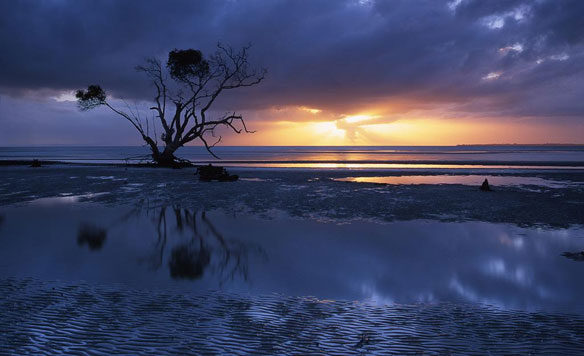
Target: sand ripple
[{"x": 47, "y": 318}]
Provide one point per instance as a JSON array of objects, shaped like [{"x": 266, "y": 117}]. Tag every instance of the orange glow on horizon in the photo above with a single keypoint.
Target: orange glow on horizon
[
  {"x": 311, "y": 110},
  {"x": 356, "y": 131},
  {"x": 358, "y": 118}
]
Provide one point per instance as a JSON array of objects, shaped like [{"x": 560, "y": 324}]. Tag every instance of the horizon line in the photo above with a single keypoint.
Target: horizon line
[{"x": 395, "y": 145}]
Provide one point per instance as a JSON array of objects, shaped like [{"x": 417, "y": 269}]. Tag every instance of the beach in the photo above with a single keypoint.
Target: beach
[
  {"x": 335, "y": 177},
  {"x": 116, "y": 258}
]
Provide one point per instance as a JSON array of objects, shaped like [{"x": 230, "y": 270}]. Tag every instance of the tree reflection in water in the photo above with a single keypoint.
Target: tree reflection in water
[
  {"x": 92, "y": 235},
  {"x": 201, "y": 247}
]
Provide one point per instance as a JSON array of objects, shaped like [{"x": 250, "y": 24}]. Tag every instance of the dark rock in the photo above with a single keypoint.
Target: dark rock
[
  {"x": 35, "y": 163},
  {"x": 485, "y": 186},
  {"x": 574, "y": 256},
  {"x": 210, "y": 173}
]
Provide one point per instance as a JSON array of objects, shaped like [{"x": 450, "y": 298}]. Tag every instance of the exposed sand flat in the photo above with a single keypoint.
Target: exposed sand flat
[
  {"x": 48, "y": 318},
  {"x": 312, "y": 193}
]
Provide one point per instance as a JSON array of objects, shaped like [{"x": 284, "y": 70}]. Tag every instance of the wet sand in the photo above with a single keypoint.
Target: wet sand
[
  {"x": 127, "y": 260},
  {"x": 49, "y": 318},
  {"x": 311, "y": 193}
]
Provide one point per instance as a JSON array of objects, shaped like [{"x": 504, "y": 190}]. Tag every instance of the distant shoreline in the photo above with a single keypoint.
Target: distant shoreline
[
  {"x": 312, "y": 146},
  {"x": 520, "y": 144},
  {"x": 243, "y": 163}
]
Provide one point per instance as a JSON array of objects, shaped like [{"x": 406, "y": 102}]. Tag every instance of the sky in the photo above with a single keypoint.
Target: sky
[{"x": 340, "y": 72}]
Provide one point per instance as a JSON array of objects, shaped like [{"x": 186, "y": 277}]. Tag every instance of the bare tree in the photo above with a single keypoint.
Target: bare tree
[{"x": 181, "y": 105}]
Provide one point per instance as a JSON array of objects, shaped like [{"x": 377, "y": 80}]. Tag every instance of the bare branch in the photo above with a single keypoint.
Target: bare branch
[
  {"x": 209, "y": 147},
  {"x": 192, "y": 83}
]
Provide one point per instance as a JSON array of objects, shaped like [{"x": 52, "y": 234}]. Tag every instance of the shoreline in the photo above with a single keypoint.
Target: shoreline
[
  {"x": 261, "y": 190},
  {"x": 310, "y": 163}
]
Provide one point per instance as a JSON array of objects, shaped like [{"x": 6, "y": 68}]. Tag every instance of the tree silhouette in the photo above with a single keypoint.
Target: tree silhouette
[{"x": 186, "y": 89}]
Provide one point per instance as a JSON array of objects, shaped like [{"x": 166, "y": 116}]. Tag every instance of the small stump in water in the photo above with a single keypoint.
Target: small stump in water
[
  {"x": 35, "y": 163},
  {"x": 210, "y": 173},
  {"x": 485, "y": 186}
]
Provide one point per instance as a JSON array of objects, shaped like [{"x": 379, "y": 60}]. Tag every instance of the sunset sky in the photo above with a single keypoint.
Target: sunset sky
[{"x": 353, "y": 72}]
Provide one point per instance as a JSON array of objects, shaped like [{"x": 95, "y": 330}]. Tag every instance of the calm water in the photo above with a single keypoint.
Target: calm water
[
  {"x": 327, "y": 157},
  {"x": 163, "y": 248}
]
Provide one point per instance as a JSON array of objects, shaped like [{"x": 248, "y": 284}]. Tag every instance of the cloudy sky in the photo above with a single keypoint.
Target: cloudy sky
[{"x": 362, "y": 72}]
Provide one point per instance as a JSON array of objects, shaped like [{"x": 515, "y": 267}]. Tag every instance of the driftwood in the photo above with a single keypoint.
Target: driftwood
[{"x": 210, "y": 173}]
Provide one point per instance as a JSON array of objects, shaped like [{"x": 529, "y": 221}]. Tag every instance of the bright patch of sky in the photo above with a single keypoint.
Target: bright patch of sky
[
  {"x": 452, "y": 5},
  {"x": 517, "y": 47},
  {"x": 365, "y": 2},
  {"x": 65, "y": 96},
  {"x": 494, "y": 22},
  {"x": 559, "y": 57},
  {"x": 310, "y": 110},
  {"x": 497, "y": 21},
  {"x": 492, "y": 76}
]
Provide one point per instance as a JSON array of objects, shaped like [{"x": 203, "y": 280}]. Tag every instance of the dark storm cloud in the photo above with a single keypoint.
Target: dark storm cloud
[{"x": 340, "y": 56}]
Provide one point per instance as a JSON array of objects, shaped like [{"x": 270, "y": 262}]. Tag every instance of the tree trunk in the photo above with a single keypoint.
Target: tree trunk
[{"x": 166, "y": 158}]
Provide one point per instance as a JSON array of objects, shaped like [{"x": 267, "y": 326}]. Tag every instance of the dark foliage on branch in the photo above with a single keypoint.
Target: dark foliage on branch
[
  {"x": 90, "y": 98},
  {"x": 186, "y": 64}
]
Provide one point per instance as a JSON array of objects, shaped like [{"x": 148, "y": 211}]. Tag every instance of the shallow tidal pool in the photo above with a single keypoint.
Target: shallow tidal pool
[
  {"x": 78, "y": 276},
  {"x": 418, "y": 261}
]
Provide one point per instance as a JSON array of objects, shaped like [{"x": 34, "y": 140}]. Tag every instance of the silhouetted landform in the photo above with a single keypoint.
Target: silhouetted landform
[
  {"x": 210, "y": 173},
  {"x": 35, "y": 163},
  {"x": 91, "y": 235},
  {"x": 7, "y": 162},
  {"x": 10, "y": 162},
  {"x": 485, "y": 186},
  {"x": 575, "y": 256}
]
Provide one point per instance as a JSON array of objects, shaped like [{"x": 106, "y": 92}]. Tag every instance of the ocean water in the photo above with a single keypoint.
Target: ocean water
[{"x": 326, "y": 156}]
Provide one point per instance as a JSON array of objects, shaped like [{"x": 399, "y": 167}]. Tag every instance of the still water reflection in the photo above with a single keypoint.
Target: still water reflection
[
  {"x": 400, "y": 262},
  {"x": 474, "y": 180}
]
